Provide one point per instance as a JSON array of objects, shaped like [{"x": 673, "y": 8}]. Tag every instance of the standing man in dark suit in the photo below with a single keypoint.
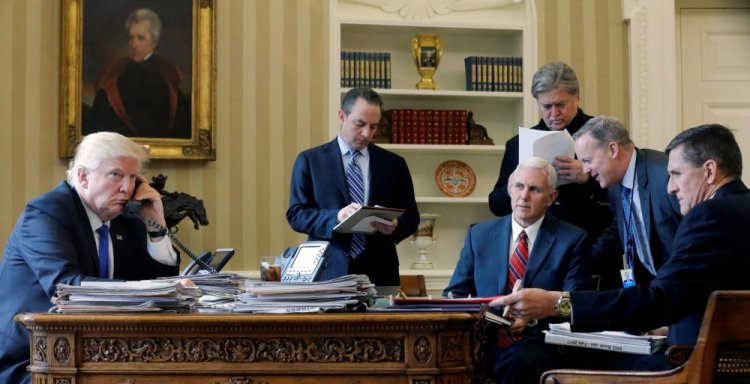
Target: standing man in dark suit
[
  {"x": 646, "y": 215},
  {"x": 320, "y": 197},
  {"x": 710, "y": 252},
  {"x": 61, "y": 238},
  {"x": 580, "y": 201},
  {"x": 554, "y": 258}
]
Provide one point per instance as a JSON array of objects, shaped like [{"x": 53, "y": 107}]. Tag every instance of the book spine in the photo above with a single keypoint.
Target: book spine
[
  {"x": 469, "y": 73},
  {"x": 552, "y": 338},
  {"x": 421, "y": 127},
  {"x": 463, "y": 135},
  {"x": 388, "y": 70},
  {"x": 430, "y": 127},
  {"x": 395, "y": 122}
]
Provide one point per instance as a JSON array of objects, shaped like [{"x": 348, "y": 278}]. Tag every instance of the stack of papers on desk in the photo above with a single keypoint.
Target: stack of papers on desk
[
  {"x": 124, "y": 296},
  {"x": 345, "y": 293},
  {"x": 218, "y": 289},
  {"x": 607, "y": 340}
]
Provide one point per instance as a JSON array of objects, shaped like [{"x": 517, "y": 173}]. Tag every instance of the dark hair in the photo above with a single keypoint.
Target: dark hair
[
  {"x": 370, "y": 96},
  {"x": 605, "y": 129},
  {"x": 554, "y": 76},
  {"x": 709, "y": 142}
]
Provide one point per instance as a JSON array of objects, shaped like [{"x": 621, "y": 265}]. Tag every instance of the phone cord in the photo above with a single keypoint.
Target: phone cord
[{"x": 177, "y": 241}]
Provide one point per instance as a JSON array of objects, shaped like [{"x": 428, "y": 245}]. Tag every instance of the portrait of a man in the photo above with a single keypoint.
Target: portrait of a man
[
  {"x": 428, "y": 57},
  {"x": 137, "y": 68}
]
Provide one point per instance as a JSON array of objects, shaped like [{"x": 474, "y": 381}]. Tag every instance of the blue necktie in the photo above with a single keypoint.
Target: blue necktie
[
  {"x": 103, "y": 232},
  {"x": 357, "y": 193}
]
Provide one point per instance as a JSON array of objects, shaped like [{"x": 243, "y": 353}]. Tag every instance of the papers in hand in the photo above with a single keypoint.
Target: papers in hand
[
  {"x": 607, "y": 340},
  {"x": 361, "y": 220},
  {"x": 544, "y": 144}
]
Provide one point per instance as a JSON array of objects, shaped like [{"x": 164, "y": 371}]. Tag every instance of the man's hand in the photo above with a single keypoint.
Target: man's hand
[
  {"x": 152, "y": 209},
  {"x": 529, "y": 304},
  {"x": 385, "y": 229},
  {"x": 347, "y": 211},
  {"x": 569, "y": 170}
]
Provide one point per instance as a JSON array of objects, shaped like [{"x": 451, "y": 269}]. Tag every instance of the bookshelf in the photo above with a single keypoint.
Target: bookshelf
[{"x": 499, "y": 28}]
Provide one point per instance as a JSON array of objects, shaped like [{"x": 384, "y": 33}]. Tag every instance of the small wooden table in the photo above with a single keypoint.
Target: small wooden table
[{"x": 414, "y": 348}]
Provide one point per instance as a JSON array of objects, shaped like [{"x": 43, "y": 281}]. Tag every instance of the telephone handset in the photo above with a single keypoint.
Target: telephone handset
[{"x": 132, "y": 208}]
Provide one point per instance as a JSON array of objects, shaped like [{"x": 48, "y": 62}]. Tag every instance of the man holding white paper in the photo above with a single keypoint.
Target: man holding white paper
[{"x": 580, "y": 201}]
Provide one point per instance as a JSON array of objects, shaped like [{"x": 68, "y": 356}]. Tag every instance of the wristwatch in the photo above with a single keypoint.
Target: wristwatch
[
  {"x": 160, "y": 233},
  {"x": 564, "y": 307}
]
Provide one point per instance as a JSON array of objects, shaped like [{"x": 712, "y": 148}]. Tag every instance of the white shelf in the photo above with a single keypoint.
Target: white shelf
[
  {"x": 474, "y": 96},
  {"x": 452, "y": 200},
  {"x": 453, "y": 149}
]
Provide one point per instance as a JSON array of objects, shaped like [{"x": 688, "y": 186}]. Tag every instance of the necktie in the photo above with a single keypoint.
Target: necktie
[
  {"x": 516, "y": 271},
  {"x": 357, "y": 193},
  {"x": 628, "y": 215},
  {"x": 103, "y": 232}
]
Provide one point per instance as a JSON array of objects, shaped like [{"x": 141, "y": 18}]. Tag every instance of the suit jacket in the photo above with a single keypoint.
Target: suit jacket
[
  {"x": 52, "y": 244},
  {"x": 557, "y": 260},
  {"x": 584, "y": 205},
  {"x": 710, "y": 252},
  {"x": 319, "y": 190},
  {"x": 661, "y": 216}
]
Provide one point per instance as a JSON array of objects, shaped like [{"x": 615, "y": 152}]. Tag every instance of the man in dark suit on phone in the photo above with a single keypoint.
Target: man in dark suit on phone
[
  {"x": 328, "y": 180},
  {"x": 528, "y": 246},
  {"x": 77, "y": 232},
  {"x": 709, "y": 253}
]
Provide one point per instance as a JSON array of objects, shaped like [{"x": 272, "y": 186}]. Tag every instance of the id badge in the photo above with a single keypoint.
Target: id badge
[{"x": 628, "y": 279}]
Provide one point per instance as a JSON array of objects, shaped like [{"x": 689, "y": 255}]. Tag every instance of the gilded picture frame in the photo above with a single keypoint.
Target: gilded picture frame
[{"x": 196, "y": 20}]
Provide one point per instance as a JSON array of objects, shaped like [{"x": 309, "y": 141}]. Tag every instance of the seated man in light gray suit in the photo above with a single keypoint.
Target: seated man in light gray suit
[{"x": 527, "y": 246}]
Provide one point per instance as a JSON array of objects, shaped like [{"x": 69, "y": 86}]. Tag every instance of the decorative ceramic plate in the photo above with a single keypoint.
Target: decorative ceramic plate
[{"x": 455, "y": 178}]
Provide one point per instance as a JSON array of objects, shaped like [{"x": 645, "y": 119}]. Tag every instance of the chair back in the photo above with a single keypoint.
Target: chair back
[
  {"x": 413, "y": 285},
  {"x": 722, "y": 351}
]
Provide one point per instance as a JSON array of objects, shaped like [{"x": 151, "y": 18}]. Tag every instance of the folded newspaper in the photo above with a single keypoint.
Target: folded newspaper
[
  {"x": 125, "y": 296},
  {"x": 607, "y": 340},
  {"x": 346, "y": 293}
]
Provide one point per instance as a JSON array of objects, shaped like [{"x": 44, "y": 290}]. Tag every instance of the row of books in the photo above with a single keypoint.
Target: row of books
[
  {"x": 494, "y": 74},
  {"x": 428, "y": 126},
  {"x": 366, "y": 69}
]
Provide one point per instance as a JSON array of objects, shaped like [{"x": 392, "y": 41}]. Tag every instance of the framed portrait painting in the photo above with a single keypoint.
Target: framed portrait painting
[{"x": 142, "y": 68}]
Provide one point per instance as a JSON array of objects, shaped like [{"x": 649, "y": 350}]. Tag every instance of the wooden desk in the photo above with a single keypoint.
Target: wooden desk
[{"x": 413, "y": 348}]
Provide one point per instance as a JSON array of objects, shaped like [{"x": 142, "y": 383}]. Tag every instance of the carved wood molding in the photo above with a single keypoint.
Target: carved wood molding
[
  {"x": 427, "y": 9},
  {"x": 243, "y": 350}
]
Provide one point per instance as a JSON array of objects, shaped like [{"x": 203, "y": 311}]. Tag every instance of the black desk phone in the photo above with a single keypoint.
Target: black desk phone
[{"x": 304, "y": 263}]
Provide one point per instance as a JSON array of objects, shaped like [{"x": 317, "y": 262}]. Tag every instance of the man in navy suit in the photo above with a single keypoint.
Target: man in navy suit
[
  {"x": 56, "y": 241},
  {"x": 319, "y": 194},
  {"x": 709, "y": 253},
  {"x": 643, "y": 231},
  {"x": 557, "y": 254}
]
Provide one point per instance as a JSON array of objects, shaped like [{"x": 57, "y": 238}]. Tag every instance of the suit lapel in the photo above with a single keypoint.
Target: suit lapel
[
  {"x": 333, "y": 153},
  {"x": 501, "y": 243},
  {"x": 645, "y": 195},
  {"x": 545, "y": 239}
]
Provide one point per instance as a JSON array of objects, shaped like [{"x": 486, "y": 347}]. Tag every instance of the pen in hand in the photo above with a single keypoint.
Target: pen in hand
[{"x": 516, "y": 287}]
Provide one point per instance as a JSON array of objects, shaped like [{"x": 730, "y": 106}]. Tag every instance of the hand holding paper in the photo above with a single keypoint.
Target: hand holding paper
[{"x": 545, "y": 144}]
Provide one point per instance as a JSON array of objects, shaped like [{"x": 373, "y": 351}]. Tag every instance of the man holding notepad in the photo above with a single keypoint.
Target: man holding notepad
[
  {"x": 527, "y": 248},
  {"x": 333, "y": 181}
]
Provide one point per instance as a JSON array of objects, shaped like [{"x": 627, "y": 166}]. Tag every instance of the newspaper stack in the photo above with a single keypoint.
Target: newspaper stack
[
  {"x": 607, "y": 340},
  {"x": 125, "y": 296},
  {"x": 346, "y": 293},
  {"x": 218, "y": 289}
]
